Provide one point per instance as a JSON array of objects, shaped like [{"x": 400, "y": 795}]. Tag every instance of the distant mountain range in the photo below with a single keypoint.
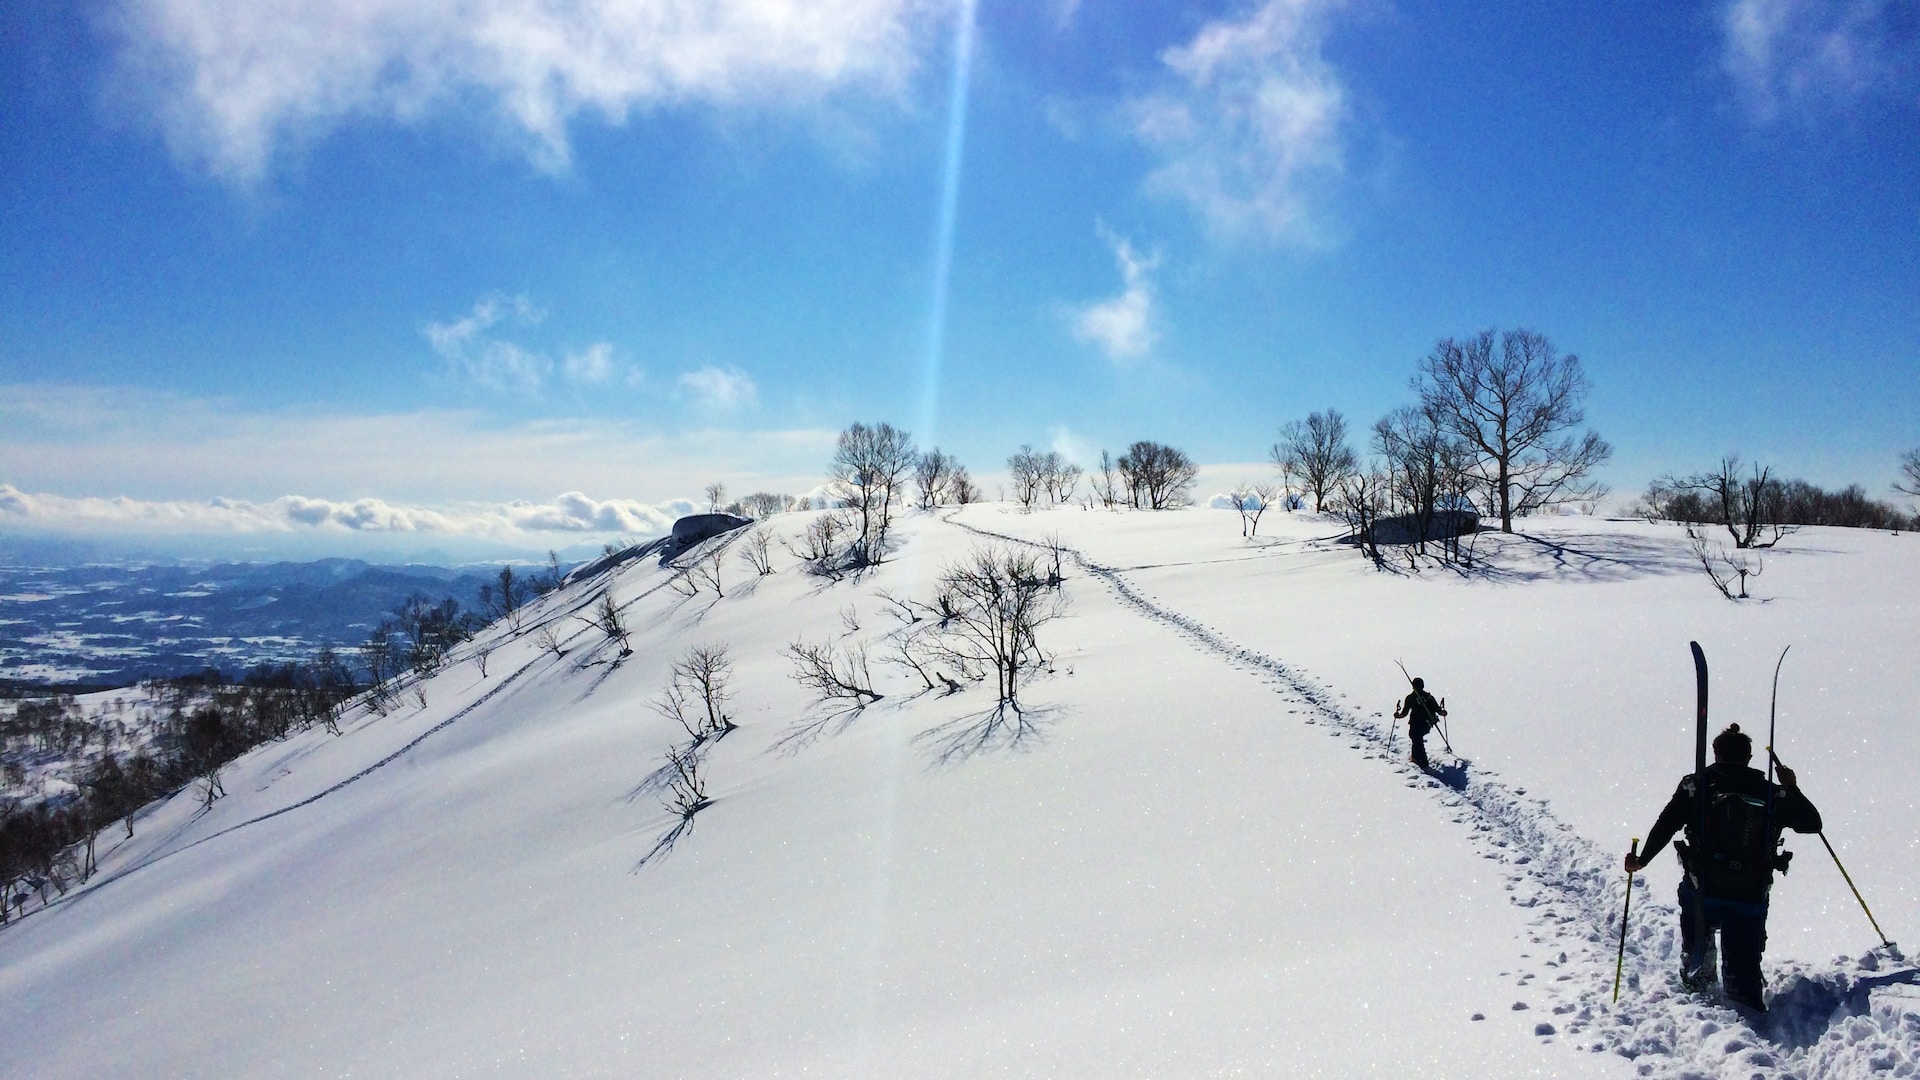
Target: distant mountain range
[{"x": 112, "y": 625}]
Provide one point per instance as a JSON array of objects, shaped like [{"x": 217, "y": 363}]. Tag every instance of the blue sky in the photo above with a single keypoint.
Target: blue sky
[{"x": 477, "y": 275}]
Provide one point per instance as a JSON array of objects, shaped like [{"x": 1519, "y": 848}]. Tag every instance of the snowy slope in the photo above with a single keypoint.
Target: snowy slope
[{"x": 1199, "y": 859}]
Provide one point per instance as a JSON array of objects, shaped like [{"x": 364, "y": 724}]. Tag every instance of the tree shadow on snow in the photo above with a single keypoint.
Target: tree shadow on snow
[
  {"x": 663, "y": 846},
  {"x": 1003, "y": 727},
  {"x": 1579, "y": 557},
  {"x": 807, "y": 731}
]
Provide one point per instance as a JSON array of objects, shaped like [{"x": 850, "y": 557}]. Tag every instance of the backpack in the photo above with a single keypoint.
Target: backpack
[
  {"x": 1422, "y": 713},
  {"x": 1736, "y": 856}
]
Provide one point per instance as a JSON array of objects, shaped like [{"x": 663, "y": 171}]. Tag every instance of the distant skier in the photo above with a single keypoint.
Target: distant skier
[
  {"x": 1422, "y": 714},
  {"x": 1729, "y": 870}
]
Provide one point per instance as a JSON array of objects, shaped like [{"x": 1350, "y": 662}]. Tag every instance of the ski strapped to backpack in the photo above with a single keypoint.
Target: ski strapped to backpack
[{"x": 1702, "y": 931}]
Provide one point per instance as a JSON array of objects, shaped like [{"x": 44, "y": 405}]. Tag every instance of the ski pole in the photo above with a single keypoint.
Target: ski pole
[
  {"x": 1620, "y": 959},
  {"x": 1843, "y": 868}
]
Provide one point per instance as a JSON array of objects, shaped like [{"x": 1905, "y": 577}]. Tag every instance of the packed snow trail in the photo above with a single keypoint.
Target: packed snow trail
[{"x": 1852, "y": 1018}]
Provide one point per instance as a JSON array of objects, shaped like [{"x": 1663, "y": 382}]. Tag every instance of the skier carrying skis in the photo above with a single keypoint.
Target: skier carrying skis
[
  {"x": 1422, "y": 714},
  {"x": 1729, "y": 869}
]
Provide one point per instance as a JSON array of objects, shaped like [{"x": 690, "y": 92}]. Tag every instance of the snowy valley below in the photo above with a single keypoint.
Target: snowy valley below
[{"x": 1198, "y": 849}]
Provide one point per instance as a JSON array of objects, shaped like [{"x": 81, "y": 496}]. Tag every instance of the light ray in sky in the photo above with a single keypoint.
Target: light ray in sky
[{"x": 944, "y": 226}]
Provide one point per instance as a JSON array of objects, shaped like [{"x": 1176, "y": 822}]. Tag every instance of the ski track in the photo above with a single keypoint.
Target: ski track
[{"x": 1852, "y": 1018}]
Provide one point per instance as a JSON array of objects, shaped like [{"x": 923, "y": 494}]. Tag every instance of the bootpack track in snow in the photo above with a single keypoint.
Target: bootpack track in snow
[{"x": 1825, "y": 1022}]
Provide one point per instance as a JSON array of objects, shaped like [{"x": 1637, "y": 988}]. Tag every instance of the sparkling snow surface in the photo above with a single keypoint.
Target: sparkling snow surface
[{"x": 1197, "y": 858}]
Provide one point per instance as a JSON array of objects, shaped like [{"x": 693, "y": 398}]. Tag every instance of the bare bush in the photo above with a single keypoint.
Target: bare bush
[
  {"x": 1252, "y": 500},
  {"x": 1724, "y": 568},
  {"x": 818, "y": 546},
  {"x": 686, "y": 786},
  {"x": 756, "y": 550},
  {"x": 899, "y": 607},
  {"x": 550, "y": 641},
  {"x": 696, "y": 695},
  {"x": 609, "y": 621},
  {"x": 705, "y": 567},
  {"x": 833, "y": 674},
  {"x": 994, "y": 603}
]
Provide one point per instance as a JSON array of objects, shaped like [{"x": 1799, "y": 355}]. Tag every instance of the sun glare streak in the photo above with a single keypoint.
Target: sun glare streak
[
  {"x": 944, "y": 224},
  {"x": 898, "y": 750}
]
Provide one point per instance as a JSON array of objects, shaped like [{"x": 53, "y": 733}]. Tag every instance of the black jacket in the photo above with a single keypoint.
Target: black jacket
[{"x": 1791, "y": 810}]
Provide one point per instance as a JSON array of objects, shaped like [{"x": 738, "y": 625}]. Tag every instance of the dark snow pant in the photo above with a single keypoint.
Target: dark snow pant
[
  {"x": 1743, "y": 936},
  {"x": 1419, "y": 736}
]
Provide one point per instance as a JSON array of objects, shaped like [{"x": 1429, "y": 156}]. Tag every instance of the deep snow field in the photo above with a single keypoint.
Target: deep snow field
[{"x": 1195, "y": 857}]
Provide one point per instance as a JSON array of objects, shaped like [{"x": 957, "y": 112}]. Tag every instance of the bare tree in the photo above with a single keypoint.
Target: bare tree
[
  {"x": 1025, "y": 471},
  {"x": 1158, "y": 477},
  {"x": 932, "y": 473},
  {"x": 1105, "y": 485},
  {"x": 1516, "y": 408},
  {"x": 207, "y": 745},
  {"x": 1909, "y": 482},
  {"x": 1284, "y": 458},
  {"x": 550, "y": 641},
  {"x": 1059, "y": 476},
  {"x": 869, "y": 465},
  {"x": 764, "y": 504},
  {"x": 833, "y": 675},
  {"x": 1751, "y": 507},
  {"x": 481, "y": 653},
  {"x": 962, "y": 487},
  {"x": 503, "y": 597},
  {"x": 757, "y": 550},
  {"x": 1318, "y": 448},
  {"x": 994, "y": 602},
  {"x": 1423, "y": 467},
  {"x": 716, "y": 494},
  {"x": 1364, "y": 495}
]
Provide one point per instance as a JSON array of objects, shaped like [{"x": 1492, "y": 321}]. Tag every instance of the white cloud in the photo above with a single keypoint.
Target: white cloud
[
  {"x": 720, "y": 388},
  {"x": 475, "y": 348},
  {"x": 234, "y": 79},
  {"x": 1123, "y": 326},
  {"x": 1064, "y": 442},
  {"x": 472, "y": 350},
  {"x": 168, "y": 449},
  {"x": 516, "y": 522},
  {"x": 1255, "y": 121},
  {"x": 593, "y": 367},
  {"x": 1812, "y": 55}
]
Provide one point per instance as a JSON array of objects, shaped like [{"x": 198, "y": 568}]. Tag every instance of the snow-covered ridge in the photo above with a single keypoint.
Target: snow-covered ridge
[{"x": 1201, "y": 859}]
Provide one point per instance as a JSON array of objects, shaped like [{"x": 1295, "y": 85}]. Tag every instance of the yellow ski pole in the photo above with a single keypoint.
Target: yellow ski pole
[
  {"x": 1843, "y": 870},
  {"x": 1620, "y": 959}
]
